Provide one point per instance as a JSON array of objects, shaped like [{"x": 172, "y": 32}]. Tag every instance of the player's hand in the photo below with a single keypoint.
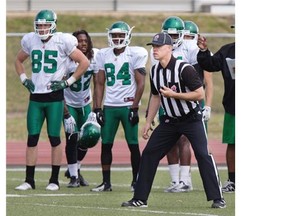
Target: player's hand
[
  {"x": 202, "y": 43},
  {"x": 92, "y": 117},
  {"x": 206, "y": 113},
  {"x": 133, "y": 116},
  {"x": 29, "y": 85},
  {"x": 58, "y": 85},
  {"x": 69, "y": 124},
  {"x": 99, "y": 116}
]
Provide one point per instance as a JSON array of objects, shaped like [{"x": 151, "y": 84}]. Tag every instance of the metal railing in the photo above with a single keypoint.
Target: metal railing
[{"x": 117, "y": 5}]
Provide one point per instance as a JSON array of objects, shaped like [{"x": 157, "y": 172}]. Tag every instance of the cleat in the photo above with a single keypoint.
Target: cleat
[
  {"x": 135, "y": 203},
  {"x": 67, "y": 174},
  {"x": 229, "y": 187},
  {"x": 133, "y": 185},
  {"x": 172, "y": 185},
  {"x": 219, "y": 203},
  {"x": 82, "y": 181},
  {"x": 24, "y": 186},
  {"x": 74, "y": 182},
  {"x": 181, "y": 187},
  {"x": 102, "y": 187},
  {"x": 52, "y": 187}
]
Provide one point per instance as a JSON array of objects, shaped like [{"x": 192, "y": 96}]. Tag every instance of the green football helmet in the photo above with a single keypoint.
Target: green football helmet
[
  {"x": 45, "y": 17},
  {"x": 116, "y": 28},
  {"x": 174, "y": 25},
  {"x": 89, "y": 136},
  {"x": 191, "y": 29}
]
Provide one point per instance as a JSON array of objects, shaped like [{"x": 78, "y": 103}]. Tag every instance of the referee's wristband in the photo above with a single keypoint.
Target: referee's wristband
[
  {"x": 23, "y": 77},
  {"x": 71, "y": 80}
]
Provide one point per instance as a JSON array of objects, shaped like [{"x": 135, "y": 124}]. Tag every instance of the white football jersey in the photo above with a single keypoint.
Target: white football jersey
[
  {"x": 48, "y": 60},
  {"x": 119, "y": 72},
  {"x": 79, "y": 93},
  {"x": 187, "y": 52}
]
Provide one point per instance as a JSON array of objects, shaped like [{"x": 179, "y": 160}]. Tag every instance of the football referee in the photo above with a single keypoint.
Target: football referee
[{"x": 177, "y": 87}]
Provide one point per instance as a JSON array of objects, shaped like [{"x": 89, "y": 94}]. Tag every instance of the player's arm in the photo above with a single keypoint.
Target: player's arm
[
  {"x": 20, "y": 70},
  {"x": 94, "y": 90},
  {"x": 208, "y": 62},
  {"x": 83, "y": 64},
  {"x": 19, "y": 66},
  {"x": 208, "y": 80},
  {"x": 140, "y": 82},
  {"x": 100, "y": 87}
]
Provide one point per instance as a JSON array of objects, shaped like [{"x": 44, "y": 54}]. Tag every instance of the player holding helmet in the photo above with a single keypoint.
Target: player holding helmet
[
  {"x": 77, "y": 108},
  {"x": 49, "y": 52},
  {"x": 122, "y": 74}
]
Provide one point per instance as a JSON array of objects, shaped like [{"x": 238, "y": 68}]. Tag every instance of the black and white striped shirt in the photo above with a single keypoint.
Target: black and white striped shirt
[{"x": 180, "y": 76}]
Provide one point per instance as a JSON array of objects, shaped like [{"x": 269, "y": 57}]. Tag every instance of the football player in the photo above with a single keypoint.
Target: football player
[
  {"x": 49, "y": 52},
  {"x": 77, "y": 108},
  {"x": 122, "y": 75}
]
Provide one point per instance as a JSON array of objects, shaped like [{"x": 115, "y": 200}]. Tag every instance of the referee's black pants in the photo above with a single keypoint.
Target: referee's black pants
[{"x": 162, "y": 140}]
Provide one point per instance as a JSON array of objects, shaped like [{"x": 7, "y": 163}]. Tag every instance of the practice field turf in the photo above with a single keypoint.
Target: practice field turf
[{"x": 81, "y": 201}]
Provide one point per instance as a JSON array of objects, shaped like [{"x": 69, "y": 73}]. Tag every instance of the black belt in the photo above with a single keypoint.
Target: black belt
[{"x": 169, "y": 119}]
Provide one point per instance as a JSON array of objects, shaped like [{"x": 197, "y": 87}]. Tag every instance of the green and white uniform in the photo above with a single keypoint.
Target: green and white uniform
[
  {"x": 78, "y": 96},
  {"x": 48, "y": 61},
  {"x": 120, "y": 89}
]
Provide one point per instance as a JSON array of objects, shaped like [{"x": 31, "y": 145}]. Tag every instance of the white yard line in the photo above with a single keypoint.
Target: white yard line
[{"x": 142, "y": 210}]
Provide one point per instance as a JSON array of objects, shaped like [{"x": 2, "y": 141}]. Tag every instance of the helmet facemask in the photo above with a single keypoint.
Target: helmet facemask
[
  {"x": 44, "y": 33},
  {"x": 191, "y": 29},
  {"x": 119, "y": 42},
  {"x": 45, "y": 24},
  {"x": 178, "y": 40}
]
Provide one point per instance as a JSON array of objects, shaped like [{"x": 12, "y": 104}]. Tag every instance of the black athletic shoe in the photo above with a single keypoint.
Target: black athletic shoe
[
  {"x": 218, "y": 203},
  {"x": 67, "y": 174},
  {"x": 135, "y": 203},
  {"x": 133, "y": 185},
  {"x": 102, "y": 187},
  {"x": 228, "y": 187},
  {"x": 74, "y": 182},
  {"x": 83, "y": 182}
]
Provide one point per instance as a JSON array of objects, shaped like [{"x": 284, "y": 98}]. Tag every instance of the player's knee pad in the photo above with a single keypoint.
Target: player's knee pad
[
  {"x": 33, "y": 140},
  {"x": 106, "y": 154},
  {"x": 54, "y": 141}
]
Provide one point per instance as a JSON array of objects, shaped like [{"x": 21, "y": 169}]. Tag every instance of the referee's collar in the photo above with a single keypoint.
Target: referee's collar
[{"x": 170, "y": 64}]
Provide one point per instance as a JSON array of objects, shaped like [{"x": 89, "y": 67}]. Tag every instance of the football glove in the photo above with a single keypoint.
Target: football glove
[
  {"x": 58, "y": 85},
  {"x": 69, "y": 124},
  {"x": 92, "y": 117},
  {"x": 99, "y": 116},
  {"x": 133, "y": 116},
  {"x": 206, "y": 113},
  {"x": 29, "y": 85}
]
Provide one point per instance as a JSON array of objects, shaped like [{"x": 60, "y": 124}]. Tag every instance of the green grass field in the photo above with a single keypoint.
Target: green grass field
[{"x": 80, "y": 201}]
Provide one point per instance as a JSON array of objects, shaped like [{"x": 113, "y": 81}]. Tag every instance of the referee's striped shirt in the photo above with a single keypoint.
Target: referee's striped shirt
[{"x": 180, "y": 76}]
